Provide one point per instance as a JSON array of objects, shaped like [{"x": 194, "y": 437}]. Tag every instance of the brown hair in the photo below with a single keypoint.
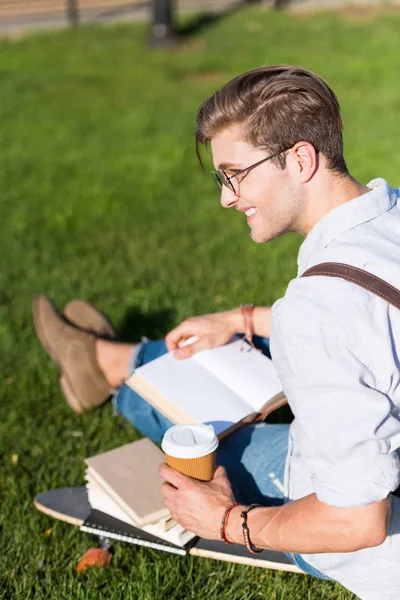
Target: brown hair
[{"x": 278, "y": 106}]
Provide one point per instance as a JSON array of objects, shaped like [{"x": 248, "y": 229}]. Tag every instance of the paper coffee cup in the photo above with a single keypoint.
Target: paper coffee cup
[{"x": 191, "y": 449}]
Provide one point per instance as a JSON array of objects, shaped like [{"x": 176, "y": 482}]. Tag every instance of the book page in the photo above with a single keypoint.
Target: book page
[
  {"x": 176, "y": 535},
  {"x": 249, "y": 373},
  {"x": 195, "y": 390}
]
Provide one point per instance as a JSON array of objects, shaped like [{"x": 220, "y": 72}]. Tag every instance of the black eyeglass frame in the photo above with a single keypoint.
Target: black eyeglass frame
[{"x": 226, "y": 181}]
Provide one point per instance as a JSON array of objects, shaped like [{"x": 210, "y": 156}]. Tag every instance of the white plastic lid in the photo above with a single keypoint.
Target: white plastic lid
[{"x": 189, "y": 441}]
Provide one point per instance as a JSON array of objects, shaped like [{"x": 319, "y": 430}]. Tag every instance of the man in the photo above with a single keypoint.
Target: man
[{"x": 276, "y": 140}]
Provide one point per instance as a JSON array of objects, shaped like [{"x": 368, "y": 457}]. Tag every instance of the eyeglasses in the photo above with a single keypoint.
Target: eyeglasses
[{"x": 221, "y": 178}]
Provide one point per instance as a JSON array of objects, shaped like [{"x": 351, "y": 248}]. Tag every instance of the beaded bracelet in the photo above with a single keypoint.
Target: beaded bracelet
[
  {"x": 247, "y": 311},
  {"x": 247, "y": 314},
  {"x": 224, "y": 522},
  {"x": 246, "y": 531}
]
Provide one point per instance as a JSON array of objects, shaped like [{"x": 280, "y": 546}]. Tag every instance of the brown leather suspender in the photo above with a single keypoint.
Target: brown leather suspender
[{"x": 366, "y": 280}]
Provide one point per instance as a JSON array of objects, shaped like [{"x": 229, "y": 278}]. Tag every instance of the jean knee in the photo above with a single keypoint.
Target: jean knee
[{"x": 141, "y": 414}]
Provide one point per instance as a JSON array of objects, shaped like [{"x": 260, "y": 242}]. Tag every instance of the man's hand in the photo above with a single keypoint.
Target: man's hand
[
  {"x": 198, "y": 506},
  {"x": 211, "y": 331}
]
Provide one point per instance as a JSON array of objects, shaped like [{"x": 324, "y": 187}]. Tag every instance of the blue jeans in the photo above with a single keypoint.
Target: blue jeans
[{"x": 254, "y": 456}]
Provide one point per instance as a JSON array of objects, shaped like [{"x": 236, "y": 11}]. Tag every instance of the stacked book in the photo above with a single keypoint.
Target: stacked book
[
  {"x": 226, "y": 387},
  {"x": 123, "y": 488}
]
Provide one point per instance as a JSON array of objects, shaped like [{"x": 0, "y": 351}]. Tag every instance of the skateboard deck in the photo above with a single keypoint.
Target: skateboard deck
[{"x": 71, "y": 505}]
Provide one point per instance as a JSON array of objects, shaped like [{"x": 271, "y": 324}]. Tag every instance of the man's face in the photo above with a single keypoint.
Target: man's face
[{"x": 269, "y": 197}]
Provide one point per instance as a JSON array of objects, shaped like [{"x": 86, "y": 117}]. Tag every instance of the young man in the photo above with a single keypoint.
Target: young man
[{"x": 276, "y": 140}]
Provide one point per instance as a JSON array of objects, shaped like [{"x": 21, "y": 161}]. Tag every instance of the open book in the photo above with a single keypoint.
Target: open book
[
  {"x": 221, "y": 387},
  {"x": 125, "y": 484}
]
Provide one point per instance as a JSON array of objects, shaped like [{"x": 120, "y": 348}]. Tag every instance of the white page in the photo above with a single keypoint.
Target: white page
[
  {"x": 176, "y": 535},
  {"x": 249, "y": 373},
  {"x": 100, "y": 500},
  {"x": 196, "y": 391}
]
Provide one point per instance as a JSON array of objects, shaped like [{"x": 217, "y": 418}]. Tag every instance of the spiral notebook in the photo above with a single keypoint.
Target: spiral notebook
[
  {"x": 99, "y": 523},
  {"x": 106, "y": 526}
]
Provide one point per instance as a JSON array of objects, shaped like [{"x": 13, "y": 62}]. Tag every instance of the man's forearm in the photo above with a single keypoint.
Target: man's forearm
[
  {"x": 261, "y": 320},
  {"x": 308, "y": 526}
]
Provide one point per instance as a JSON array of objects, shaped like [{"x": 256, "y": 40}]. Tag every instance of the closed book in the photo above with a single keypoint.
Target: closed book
[
  {"x": 124, "y": 484},
  {"x": 128, "y": 478}
]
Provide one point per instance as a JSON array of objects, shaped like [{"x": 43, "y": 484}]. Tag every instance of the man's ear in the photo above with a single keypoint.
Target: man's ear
[{"x": 305, "y": 160}]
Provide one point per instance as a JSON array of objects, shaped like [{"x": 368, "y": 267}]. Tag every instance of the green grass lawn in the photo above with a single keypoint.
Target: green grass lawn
[{"x": 101, "y": 197}]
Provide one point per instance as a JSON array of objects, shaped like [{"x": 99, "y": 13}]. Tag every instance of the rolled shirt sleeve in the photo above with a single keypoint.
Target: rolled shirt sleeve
[{"x": 344, "y": 424}]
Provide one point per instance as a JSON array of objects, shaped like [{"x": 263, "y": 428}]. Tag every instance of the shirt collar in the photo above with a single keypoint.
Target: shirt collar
[{"x": 364, "y": 208}]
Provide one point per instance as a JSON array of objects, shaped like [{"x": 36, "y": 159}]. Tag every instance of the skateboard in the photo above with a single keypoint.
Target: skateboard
[{"x": 71, "y": 505}]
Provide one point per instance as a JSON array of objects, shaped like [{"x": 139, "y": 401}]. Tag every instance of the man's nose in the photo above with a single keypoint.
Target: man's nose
[{"x": 228, "y": 199}]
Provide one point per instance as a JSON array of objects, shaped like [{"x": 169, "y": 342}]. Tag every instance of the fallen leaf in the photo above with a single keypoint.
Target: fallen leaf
[
  {"x": 14, "y": 459},
  {"x": 47, "y": 532},
  {"x": 94, "y": 557},
  {"x": 10, "y": 380}
]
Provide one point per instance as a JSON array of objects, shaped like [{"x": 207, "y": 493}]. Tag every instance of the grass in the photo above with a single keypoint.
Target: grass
[{"x": 101, "y": 198}]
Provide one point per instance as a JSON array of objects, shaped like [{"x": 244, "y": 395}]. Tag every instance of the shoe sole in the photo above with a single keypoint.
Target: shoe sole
[
  {"x": 70, "y": 397},
  {"x": 42, "y": 337}
]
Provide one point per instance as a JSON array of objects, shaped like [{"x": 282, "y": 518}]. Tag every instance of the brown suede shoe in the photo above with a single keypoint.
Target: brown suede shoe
[
  {"x": 84, "y": 315},
  {"x": 73, "y": 350}
]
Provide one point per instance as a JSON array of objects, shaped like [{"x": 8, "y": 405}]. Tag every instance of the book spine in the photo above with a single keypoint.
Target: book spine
[{"x": 124, "y": 538}]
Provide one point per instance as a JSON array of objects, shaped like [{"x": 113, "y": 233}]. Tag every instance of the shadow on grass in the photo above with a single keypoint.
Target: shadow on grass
[
  {"x": 154, "y": 325},
  {"x": 195, "y": 26},
  {"x": 206, "y": 20}
]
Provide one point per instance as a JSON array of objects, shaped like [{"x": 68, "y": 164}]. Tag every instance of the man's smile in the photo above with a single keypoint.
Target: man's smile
[{"x": 249, "y": 212}]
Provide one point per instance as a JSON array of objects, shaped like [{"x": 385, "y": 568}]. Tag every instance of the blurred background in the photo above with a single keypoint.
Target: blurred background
[{"x": 102, "y": 198}]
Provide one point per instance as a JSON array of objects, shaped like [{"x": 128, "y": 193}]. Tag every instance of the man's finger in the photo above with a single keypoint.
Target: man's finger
[
  {"x": 202, "y": 344},
  {"x": 177, "y": 336},
  {"x": 167, "y": 490},
  {"x": 220, "y": 471},
  {"x": 173, "y": 477},
  {"x": 170, "y": 505}
]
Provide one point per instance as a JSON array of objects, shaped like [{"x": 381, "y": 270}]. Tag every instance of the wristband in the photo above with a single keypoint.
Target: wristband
[
  {"x": 246, "y": 531},
  {"x": 224, "y": 522},
  {"x": 247, "y": 311}
]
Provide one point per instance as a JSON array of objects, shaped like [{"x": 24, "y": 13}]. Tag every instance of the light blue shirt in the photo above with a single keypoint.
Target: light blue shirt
[{"x": 336, "y": 347}]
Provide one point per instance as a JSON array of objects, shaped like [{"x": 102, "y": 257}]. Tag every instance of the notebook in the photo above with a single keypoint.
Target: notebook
[
  {"x": 221, "y": 386},
  {"x": 105, "y": 525}
]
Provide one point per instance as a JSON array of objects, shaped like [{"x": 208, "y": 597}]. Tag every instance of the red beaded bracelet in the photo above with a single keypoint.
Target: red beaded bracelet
[{"x": 224, "y": 522}]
